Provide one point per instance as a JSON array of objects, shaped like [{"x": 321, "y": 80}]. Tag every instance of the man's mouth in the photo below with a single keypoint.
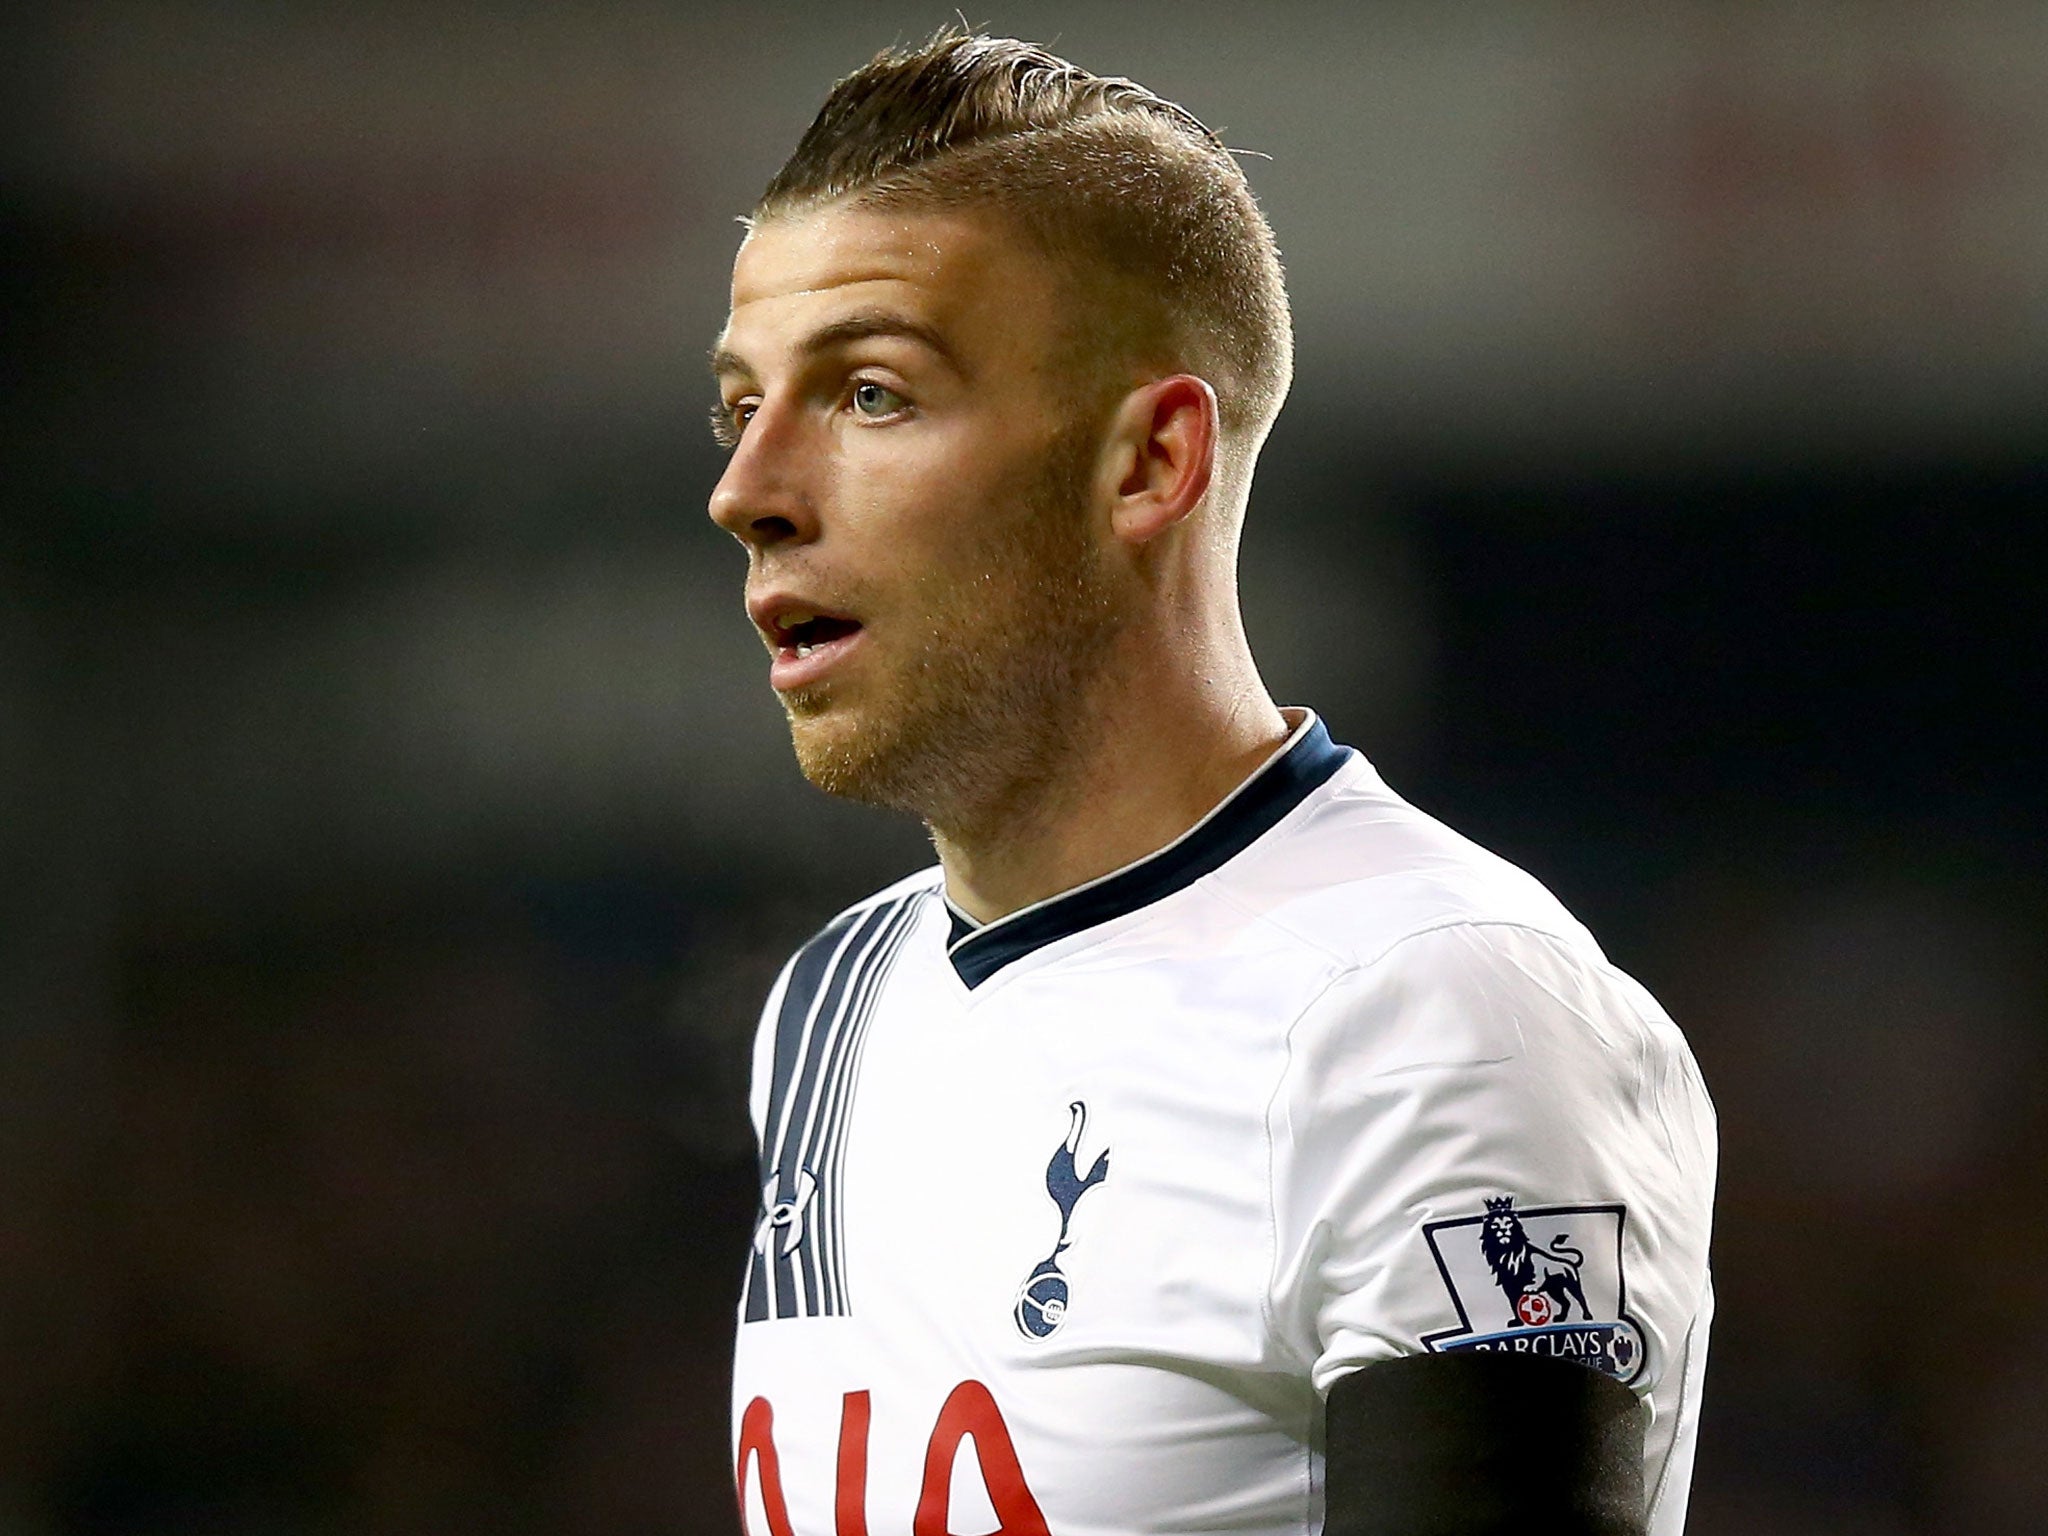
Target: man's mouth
[
  {"x": 808, "y": 645},
  {"x": 799, "y": 634}
]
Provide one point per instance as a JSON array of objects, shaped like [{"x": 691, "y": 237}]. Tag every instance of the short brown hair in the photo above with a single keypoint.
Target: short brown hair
[{"x": 1129, "y": 188}]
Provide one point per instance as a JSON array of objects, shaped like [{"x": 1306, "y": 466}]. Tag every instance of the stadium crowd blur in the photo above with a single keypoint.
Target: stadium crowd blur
[{"x": 398, "y": 834}]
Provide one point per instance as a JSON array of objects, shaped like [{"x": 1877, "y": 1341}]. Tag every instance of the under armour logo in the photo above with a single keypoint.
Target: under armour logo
[{"x": 784, "y": 1216}]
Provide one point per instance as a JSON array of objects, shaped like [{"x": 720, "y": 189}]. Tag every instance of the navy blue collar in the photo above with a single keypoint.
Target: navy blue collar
[{"x": 1253, "y": 809}]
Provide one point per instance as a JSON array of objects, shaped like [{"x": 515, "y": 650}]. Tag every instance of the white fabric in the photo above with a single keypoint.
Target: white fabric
[{"x": 1358, "y": 1027}]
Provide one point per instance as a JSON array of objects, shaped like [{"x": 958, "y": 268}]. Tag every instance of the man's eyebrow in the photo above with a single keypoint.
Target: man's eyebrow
[{"x": 840, "y": 333}]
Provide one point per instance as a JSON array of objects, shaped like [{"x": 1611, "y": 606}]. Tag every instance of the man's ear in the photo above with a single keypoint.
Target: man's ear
[{"x": 1163, "y": 454}]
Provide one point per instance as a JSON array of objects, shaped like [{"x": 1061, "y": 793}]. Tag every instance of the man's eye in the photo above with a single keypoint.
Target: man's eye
[
  {"x": 872, "y": 399},
  {"x": 729, "y": 421}
]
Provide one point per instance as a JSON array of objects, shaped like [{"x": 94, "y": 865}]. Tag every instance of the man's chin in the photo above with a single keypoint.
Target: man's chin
[{"x": 840, "y": 752}]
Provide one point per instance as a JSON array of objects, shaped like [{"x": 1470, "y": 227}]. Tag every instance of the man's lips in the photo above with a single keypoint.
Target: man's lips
[
  {"x": 805, "y": 639},
  {"x": 798, "y": 665}
]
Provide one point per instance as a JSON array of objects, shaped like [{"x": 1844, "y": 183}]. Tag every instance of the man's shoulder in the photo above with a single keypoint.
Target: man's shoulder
[
  {"x": 1362, "y": 869},
  {"x": 893, "y": 902},
  {"x": 860, "y": 941}
]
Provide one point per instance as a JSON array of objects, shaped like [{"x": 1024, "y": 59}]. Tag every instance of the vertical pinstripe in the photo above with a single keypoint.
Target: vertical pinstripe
[{"x": 820, "y": 1032}]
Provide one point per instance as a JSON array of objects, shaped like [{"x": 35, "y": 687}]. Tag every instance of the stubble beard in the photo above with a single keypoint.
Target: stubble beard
[{"x": 988, "y": 716}]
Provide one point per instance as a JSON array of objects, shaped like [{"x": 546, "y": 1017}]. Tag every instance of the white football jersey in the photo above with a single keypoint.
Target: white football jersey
[{"x": 1069, "y": 1221}]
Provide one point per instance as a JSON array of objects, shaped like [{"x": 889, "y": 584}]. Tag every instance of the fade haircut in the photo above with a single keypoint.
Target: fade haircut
[{"x": 1172, "y": 266}]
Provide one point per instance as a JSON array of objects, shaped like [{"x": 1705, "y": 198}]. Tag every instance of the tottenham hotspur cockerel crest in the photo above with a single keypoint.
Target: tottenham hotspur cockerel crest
[
  {"x": 1043, "y": 1297},
  {"x": 1544, "y": 1281}
]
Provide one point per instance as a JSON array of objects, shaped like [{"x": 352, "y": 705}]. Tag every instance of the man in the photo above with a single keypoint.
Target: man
[{"x": 1211, "y": 1141}]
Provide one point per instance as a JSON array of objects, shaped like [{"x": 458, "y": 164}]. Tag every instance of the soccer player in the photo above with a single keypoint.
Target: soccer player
[{"x": 1211, "y": 1141}]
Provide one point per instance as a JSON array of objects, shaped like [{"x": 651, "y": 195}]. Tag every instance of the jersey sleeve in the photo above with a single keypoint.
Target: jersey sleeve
[
  {"x": 761, "y": 1073},
  {"x": 1488, "y": 1138}
]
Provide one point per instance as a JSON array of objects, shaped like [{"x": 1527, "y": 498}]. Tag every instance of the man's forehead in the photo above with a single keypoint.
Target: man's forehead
[
  {"x": 830, "y": 247},
  {"x": 955, "y": 270}
]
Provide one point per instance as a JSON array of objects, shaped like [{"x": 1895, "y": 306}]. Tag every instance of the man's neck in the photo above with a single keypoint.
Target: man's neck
[{"x": 1157, "y": 766}]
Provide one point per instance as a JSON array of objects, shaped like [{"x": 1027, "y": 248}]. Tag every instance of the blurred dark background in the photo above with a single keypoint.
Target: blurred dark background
[{"x": 398, "y": 832}]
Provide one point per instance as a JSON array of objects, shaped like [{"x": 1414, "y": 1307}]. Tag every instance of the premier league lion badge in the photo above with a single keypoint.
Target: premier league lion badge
[{"x": 1544, "y": 1281}]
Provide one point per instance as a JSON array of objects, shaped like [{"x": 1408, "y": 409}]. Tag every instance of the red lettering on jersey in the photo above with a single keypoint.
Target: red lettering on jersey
[
  {"x": 757, "y": 1442},
  {"x": 851, "y": 1510},
  {"x": 970, "y": 1410}
]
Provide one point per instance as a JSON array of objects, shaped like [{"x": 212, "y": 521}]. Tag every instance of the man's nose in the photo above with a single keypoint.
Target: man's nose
[{"x": 761, "y": 498}]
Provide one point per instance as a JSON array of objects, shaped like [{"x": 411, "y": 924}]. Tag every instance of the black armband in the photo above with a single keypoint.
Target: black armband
[{"x": 1478, "y": 1443}]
